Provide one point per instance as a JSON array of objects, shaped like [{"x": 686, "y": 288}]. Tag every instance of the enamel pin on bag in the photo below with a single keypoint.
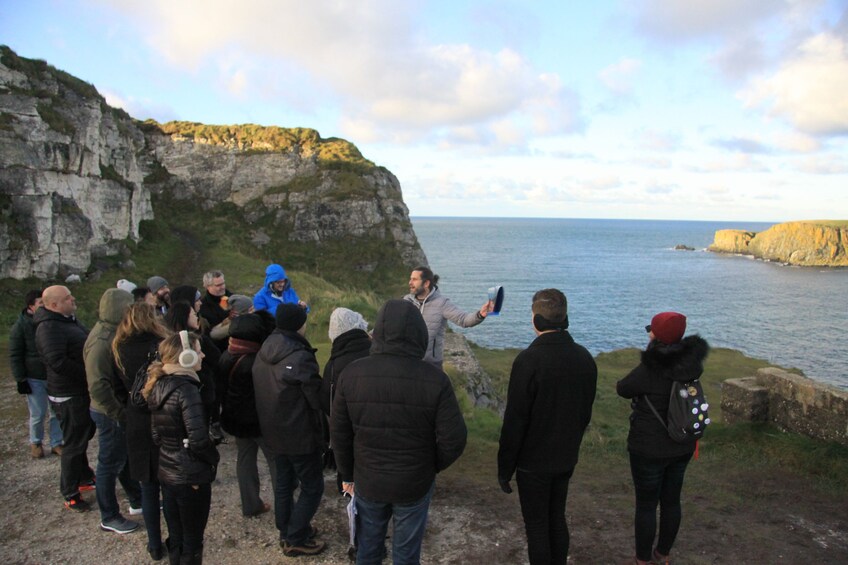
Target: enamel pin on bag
[{"x": 688, "y": 415}]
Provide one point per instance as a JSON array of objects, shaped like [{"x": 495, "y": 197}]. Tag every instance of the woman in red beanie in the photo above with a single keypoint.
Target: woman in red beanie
[{"x": 657, "y": 462}]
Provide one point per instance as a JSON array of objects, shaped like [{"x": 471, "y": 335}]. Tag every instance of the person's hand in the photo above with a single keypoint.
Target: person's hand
[
  {"x": 347, "y": 488},
  {"x": 24, "y": 388},
  {"x": 505, "y": 485},
  {"x": 486, "y": 308}
]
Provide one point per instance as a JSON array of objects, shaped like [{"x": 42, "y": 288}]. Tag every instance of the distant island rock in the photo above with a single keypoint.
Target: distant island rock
[
  {"x": 683, "y": 247},
  {"x": 815, "y": 243}
]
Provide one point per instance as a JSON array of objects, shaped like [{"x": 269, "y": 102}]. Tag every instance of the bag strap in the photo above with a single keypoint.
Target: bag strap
[{"x": 654, "y": 410}]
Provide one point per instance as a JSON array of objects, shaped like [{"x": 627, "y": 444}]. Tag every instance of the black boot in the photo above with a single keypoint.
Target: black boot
[
  {"x": 195, "y": 558},
  {"x": 173, "y": 553}
]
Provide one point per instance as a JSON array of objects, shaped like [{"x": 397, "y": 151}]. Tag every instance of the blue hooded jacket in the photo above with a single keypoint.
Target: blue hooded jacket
[{"x": 265, "y": 299}]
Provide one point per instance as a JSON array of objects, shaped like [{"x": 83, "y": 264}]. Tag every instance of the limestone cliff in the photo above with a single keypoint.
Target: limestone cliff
[
  {"x": 809, "y": 244},
  {"x": 77, "y": 178}
]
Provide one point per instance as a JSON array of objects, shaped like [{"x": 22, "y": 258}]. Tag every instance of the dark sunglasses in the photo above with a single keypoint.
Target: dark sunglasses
[{"x": 648, "y": 328}]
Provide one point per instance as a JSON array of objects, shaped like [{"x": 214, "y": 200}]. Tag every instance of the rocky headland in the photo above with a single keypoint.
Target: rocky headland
[
  {"x": 804, "y": 243},
  {"x": 78, "y": 179}
]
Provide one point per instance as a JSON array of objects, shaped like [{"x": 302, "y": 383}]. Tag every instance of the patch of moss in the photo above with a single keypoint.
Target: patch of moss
[
  {"x": 6, "y": 121},
  {"x": 53, "y": 118},
  {"x": 158, "y": 173},
  {"x": 108, "y": 172}
]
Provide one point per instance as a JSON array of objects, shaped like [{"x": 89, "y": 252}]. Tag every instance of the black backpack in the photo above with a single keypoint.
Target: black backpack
[{"x": 688, "y": 415}]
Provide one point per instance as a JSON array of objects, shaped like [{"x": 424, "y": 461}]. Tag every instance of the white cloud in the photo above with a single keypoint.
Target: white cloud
[
  {"x": 370, "y": 56},
  {"x": 139, "y": 109},
  {"x": 824, "y": 165},
  {"x": 809, "y": 90},
  {"x": 675, "y": 20},
  {"x": 619, "y": 77}
]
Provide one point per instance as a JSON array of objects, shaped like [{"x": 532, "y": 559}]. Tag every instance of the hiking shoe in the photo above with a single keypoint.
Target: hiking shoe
[
  {"x": 35, "y": 451},
  {"x": 217, "y": 434},
  {"x": 313, "y": 532},
  {"x": 56, "y": 450},
  {"x": 135, "y": 510},
  {"x": 88, "y": 485},
  {"x": 77, "y": 504},
  {"x": 309, "y": 547},
  {"x": 659, "y": 559},
  {"x": 119, "y": 525}
]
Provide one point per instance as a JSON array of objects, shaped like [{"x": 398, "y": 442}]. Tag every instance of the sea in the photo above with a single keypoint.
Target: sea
[{"x": 616, "y": 274}]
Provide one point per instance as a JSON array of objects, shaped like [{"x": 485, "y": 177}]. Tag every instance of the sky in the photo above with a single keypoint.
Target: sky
[{"x": 713, "y": 110}]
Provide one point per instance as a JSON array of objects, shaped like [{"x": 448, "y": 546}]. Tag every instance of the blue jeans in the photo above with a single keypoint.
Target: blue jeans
[
  {"x": 186, "y": 509},
  {"x": 112, "y": 466},
  {"x": 77, "y": 429},
  {"x": 38, "y": 409},
  {"x": 409, "y": 521},
  {"x": 543, "y": 497},
  {"x": 293, "y": 518},
  {"x": 150, "y": 513},
  {"x": 657, "y": 481}
]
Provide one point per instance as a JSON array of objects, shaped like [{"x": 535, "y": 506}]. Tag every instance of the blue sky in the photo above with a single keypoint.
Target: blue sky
[{"x": 656, "y": 109}]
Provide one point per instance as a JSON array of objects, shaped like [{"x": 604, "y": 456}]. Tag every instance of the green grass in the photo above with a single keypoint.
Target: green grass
[{"x": 740, "y": 450}]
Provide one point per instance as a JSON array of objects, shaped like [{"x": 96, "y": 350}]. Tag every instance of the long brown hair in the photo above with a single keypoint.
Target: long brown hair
[
  {"x": 169, "y": 353},
  {"x": 138, "y": 319}
]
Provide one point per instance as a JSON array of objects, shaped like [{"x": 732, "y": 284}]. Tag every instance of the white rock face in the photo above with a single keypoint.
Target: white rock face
[{"x": 72, "y": 181}]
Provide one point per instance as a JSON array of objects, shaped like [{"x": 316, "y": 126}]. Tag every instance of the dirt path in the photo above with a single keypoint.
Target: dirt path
[{"x": 753, "y": 516}]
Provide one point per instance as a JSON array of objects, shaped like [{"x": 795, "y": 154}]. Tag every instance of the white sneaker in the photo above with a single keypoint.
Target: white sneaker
[{"x": 134, "y": 511}]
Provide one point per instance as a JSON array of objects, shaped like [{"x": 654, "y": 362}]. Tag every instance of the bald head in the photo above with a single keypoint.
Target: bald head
[{"x": 59, "y": 299}]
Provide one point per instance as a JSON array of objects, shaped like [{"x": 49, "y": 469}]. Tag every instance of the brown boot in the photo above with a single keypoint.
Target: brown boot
[
  {"x": 57, "y": 450},
  {"x": 36, "y": 451}
]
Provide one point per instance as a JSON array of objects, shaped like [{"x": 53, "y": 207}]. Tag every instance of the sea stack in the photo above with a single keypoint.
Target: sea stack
[{"x": 815, "y": 243}]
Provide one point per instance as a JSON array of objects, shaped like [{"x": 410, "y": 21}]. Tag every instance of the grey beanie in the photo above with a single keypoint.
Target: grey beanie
[
  {"x": 240, "y": 303},
  {"x": 156, "y": 282},
  {"x": 343, "y": 320}
]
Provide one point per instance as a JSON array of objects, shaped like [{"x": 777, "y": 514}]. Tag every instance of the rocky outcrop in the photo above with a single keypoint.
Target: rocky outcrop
[
  {"x": 77, "y": 177},
  {"x": 809, "y": 244}
]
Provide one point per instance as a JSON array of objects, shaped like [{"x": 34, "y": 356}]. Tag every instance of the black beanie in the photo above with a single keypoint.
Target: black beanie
[{"x": 290, "y": 317}]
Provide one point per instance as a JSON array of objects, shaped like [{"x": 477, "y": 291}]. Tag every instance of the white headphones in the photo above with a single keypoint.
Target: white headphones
[{"x": 188, "y": 357}]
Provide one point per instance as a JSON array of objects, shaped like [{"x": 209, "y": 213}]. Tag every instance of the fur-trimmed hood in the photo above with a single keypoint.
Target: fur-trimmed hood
[{"x": 673, "y": 362}]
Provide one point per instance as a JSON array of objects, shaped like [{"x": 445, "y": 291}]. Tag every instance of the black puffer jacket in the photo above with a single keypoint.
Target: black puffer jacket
[
  {"x": 347, "y": 348},
  {"x": 235, "y": 373},
  {"x": 60, "y": 341},
  {"x": 177, "y": 414},
  {"x": 396, "y": 421},
  {"x": 661, "y": 364},
  {"x": 143, "y": 454},
  {"x": 287, "y": 384}
]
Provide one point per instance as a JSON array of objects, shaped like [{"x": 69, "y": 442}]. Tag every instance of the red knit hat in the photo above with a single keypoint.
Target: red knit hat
[{"x": 668, "y": 327}]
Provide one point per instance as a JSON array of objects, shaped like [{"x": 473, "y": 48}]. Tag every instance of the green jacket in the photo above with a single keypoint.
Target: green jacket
[
  {"x": 100, "y": 369},
  {"x": 23, "y": 355}
]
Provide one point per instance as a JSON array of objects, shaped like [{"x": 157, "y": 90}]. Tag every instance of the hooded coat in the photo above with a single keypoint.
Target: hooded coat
[
  {"x": 265, "y": 299},
  {"x": 661, "y": 365},
  {"x": 348, "y": 347},
  {"x": 437, "y": 310},
  {"x": 287, "y": 385},
  {"x": 396, "y": 421},
  {"x": 60, "y": 340},
  {"x": 187, "y": 455},
  {"x": 107, "y": 390}
]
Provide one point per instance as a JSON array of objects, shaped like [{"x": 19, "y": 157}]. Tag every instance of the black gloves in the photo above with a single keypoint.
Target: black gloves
[
  {"x": 24, "y": 388},
  {"x": 505, "y": 485}
]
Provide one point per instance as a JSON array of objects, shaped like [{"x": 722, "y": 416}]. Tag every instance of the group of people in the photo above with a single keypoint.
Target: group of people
[{"x": 165, "y": 372}]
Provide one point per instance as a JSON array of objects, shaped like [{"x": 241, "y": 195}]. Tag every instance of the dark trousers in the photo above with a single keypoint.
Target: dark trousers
[
  {"x": 543, "y": 497},
  {"x": 112, "y": 466},
  {"x": 186, "y": 509},
  {"x": 77, "y": 429},
  {"x": 293, "y": 518},
  {"x": 657, "y": 481},
  {"x": 150, "y": 512}
]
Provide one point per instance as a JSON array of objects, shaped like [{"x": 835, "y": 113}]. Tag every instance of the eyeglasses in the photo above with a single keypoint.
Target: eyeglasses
[{"x": 648, "y": 328}]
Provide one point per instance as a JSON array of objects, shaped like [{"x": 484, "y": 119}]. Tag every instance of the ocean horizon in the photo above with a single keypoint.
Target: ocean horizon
[{"x": 617, "y": 274}]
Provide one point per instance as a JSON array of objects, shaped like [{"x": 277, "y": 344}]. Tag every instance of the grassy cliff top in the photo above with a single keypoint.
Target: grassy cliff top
[{"x": 254, "y": 137}]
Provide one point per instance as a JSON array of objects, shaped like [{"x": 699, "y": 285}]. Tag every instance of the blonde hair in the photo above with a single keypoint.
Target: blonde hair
[
  {"x": 139, "y": 318},
  {"x": 169, "y": 354}
]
